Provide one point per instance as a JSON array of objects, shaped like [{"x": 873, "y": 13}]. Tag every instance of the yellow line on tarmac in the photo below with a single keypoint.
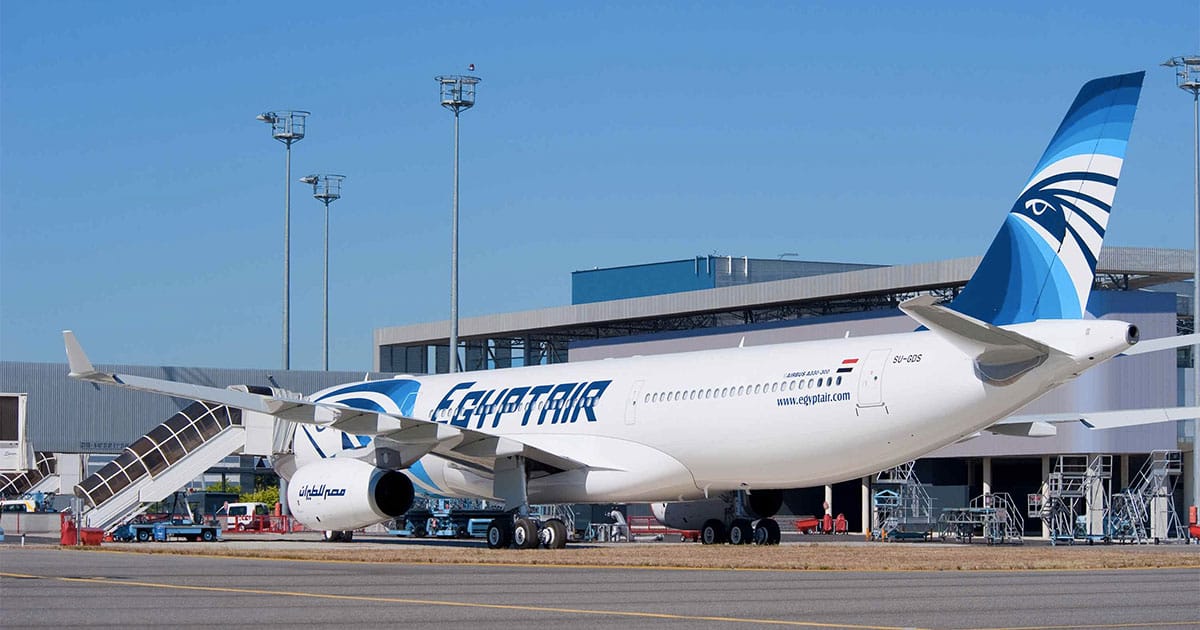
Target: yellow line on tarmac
[
  {"x": 622, "y": 567},
  {"x": 436, "y": 602},
  {"x": 1141, "y": 624}
]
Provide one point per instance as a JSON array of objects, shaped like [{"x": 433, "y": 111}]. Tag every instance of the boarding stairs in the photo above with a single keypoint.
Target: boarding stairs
[
  {"x": 1067, "y": 490},
  {"x": 43, "y": 477},
  {"x": 161, "y": 462},
  {"x": 173, "y": 454},
  {"x": 1002, "y": 521},
  {"x": 902, "y": 508},
  {"x": 993, "y": 515},
  {"x": 1145, "y": 512}
]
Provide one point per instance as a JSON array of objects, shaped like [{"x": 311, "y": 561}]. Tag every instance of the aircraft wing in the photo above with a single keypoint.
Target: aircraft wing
[
  {"x": 1040, "y": 425},
  {"x": 412, "y": 436},
  {"x": 1162, "y": 343}
]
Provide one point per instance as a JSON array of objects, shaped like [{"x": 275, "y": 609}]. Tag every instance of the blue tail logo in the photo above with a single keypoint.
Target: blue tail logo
[{"x": 1043, "y": 261}]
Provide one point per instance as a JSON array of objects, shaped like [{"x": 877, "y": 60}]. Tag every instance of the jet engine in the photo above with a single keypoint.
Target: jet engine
[{"x": 346, "y": 494}]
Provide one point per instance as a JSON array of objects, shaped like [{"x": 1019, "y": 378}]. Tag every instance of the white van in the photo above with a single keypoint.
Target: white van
[{"x": 244, "y": 516}]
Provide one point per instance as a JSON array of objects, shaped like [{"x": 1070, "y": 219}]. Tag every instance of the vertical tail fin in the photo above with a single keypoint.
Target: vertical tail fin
[{"x": 1043, "y": 261}]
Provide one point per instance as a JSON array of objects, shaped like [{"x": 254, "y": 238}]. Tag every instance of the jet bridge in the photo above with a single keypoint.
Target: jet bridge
[{"x": 164, "y": 460}]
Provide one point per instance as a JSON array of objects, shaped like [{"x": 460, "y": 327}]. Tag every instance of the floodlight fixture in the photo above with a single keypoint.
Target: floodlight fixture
[
  {"x": 287, "y": 126},
  {"x": 458, "y": 95},
  {"x": 1187, "y": 78},
  {"x": 326, "y": 189}
]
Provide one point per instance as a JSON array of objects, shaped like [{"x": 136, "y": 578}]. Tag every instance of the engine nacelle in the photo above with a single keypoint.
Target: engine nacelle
[
  {"x": 693, "y": 514},
  {"x": 346, "y": 494}
]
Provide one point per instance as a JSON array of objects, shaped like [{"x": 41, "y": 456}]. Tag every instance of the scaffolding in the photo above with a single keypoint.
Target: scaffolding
[
  {"x": 1076, "y": 503},
  {"x": 993, "y": 516},
  {"x": 902, "y": 510},
  {"x": 1145, "y": 511}
]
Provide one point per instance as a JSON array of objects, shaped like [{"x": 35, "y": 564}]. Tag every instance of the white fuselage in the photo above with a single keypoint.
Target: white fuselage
[{"x": 682, "y": 426}]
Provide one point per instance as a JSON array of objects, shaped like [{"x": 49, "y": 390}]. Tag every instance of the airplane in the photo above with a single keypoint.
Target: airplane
[{"x": 712, "y": 437}]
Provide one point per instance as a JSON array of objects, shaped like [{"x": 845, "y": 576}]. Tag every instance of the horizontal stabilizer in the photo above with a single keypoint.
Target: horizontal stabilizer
[
  {"x": 1104, "y": 419},
  {"x": 1163, "y": 343},
  {"x": 1001, "y": 355}
]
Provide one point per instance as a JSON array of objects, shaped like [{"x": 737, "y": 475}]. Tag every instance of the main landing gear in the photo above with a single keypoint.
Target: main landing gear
[
  {"x": 522, "y": 532},
  {"x": 740, "y": 532},
  {"x": 518, "y": 529},
  {"x": 742, "y": 528},
  {"x": 338, "y": 536}
]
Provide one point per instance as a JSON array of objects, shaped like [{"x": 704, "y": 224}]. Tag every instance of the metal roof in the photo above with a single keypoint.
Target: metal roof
[{"x": 1143, "y": 266}]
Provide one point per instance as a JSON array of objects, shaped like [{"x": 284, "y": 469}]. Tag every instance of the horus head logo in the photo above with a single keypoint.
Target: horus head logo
[
  {"x": 1042, "y": 205},
  {"x": 1038, "y": 207}
]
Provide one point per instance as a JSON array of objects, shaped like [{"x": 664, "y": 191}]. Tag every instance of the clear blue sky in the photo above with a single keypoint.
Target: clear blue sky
[{"x": 141, "y": 203}]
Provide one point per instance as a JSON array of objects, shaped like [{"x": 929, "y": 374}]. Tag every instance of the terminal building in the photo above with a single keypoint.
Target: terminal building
[{"x": 54, "y": 431}]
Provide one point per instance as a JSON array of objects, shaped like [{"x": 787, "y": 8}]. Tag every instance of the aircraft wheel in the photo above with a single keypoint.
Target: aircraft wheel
[
  {"x": 713, "y": 532},
  {"x": 766, "y": 532},
  {"x": 499, "y": 533},
  {"x": 348, "y": 535},
  {"x": 524, "y": 534},
  {"x": 740, "y": 533},
  {"x": 553, "y": 534}
]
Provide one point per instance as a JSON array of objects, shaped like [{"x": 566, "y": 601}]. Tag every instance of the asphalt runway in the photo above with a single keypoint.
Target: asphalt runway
[{"x": 48, "y": 587}]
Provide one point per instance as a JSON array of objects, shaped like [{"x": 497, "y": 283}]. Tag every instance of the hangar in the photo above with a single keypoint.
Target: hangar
[{"x": 723, "y": 301}]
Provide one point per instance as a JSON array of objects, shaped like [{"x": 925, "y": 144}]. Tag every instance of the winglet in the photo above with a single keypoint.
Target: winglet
[{"x": 81, "y": 368}]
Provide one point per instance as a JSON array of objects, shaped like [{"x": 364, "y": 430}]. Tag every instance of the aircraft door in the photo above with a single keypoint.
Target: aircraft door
[
  {"x": 632, "y": 403},
  {"x": 870, "y": 379}
]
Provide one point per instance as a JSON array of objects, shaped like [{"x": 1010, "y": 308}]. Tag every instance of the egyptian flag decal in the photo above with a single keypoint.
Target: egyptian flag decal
[{"x": 847, "y": 366}]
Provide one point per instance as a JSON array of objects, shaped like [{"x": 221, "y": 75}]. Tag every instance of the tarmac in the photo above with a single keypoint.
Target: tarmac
[{"x": 43, "y": 586}]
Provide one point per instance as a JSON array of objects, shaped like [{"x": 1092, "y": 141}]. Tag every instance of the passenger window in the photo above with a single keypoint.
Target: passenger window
[
  {"x": 839, "y": 380},
  {"x": 801, "y": 385},
  {"x": 810, "y": 383},
  {"x": 820, "y": 382}
]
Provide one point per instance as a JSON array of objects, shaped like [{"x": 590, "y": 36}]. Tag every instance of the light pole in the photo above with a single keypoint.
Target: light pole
[
  {"x": 1187, "y": 77},
  {"x": 326, "y": 189},
  {"x": 458, "y": 95},
  {"x": 287, "y": 127}
]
